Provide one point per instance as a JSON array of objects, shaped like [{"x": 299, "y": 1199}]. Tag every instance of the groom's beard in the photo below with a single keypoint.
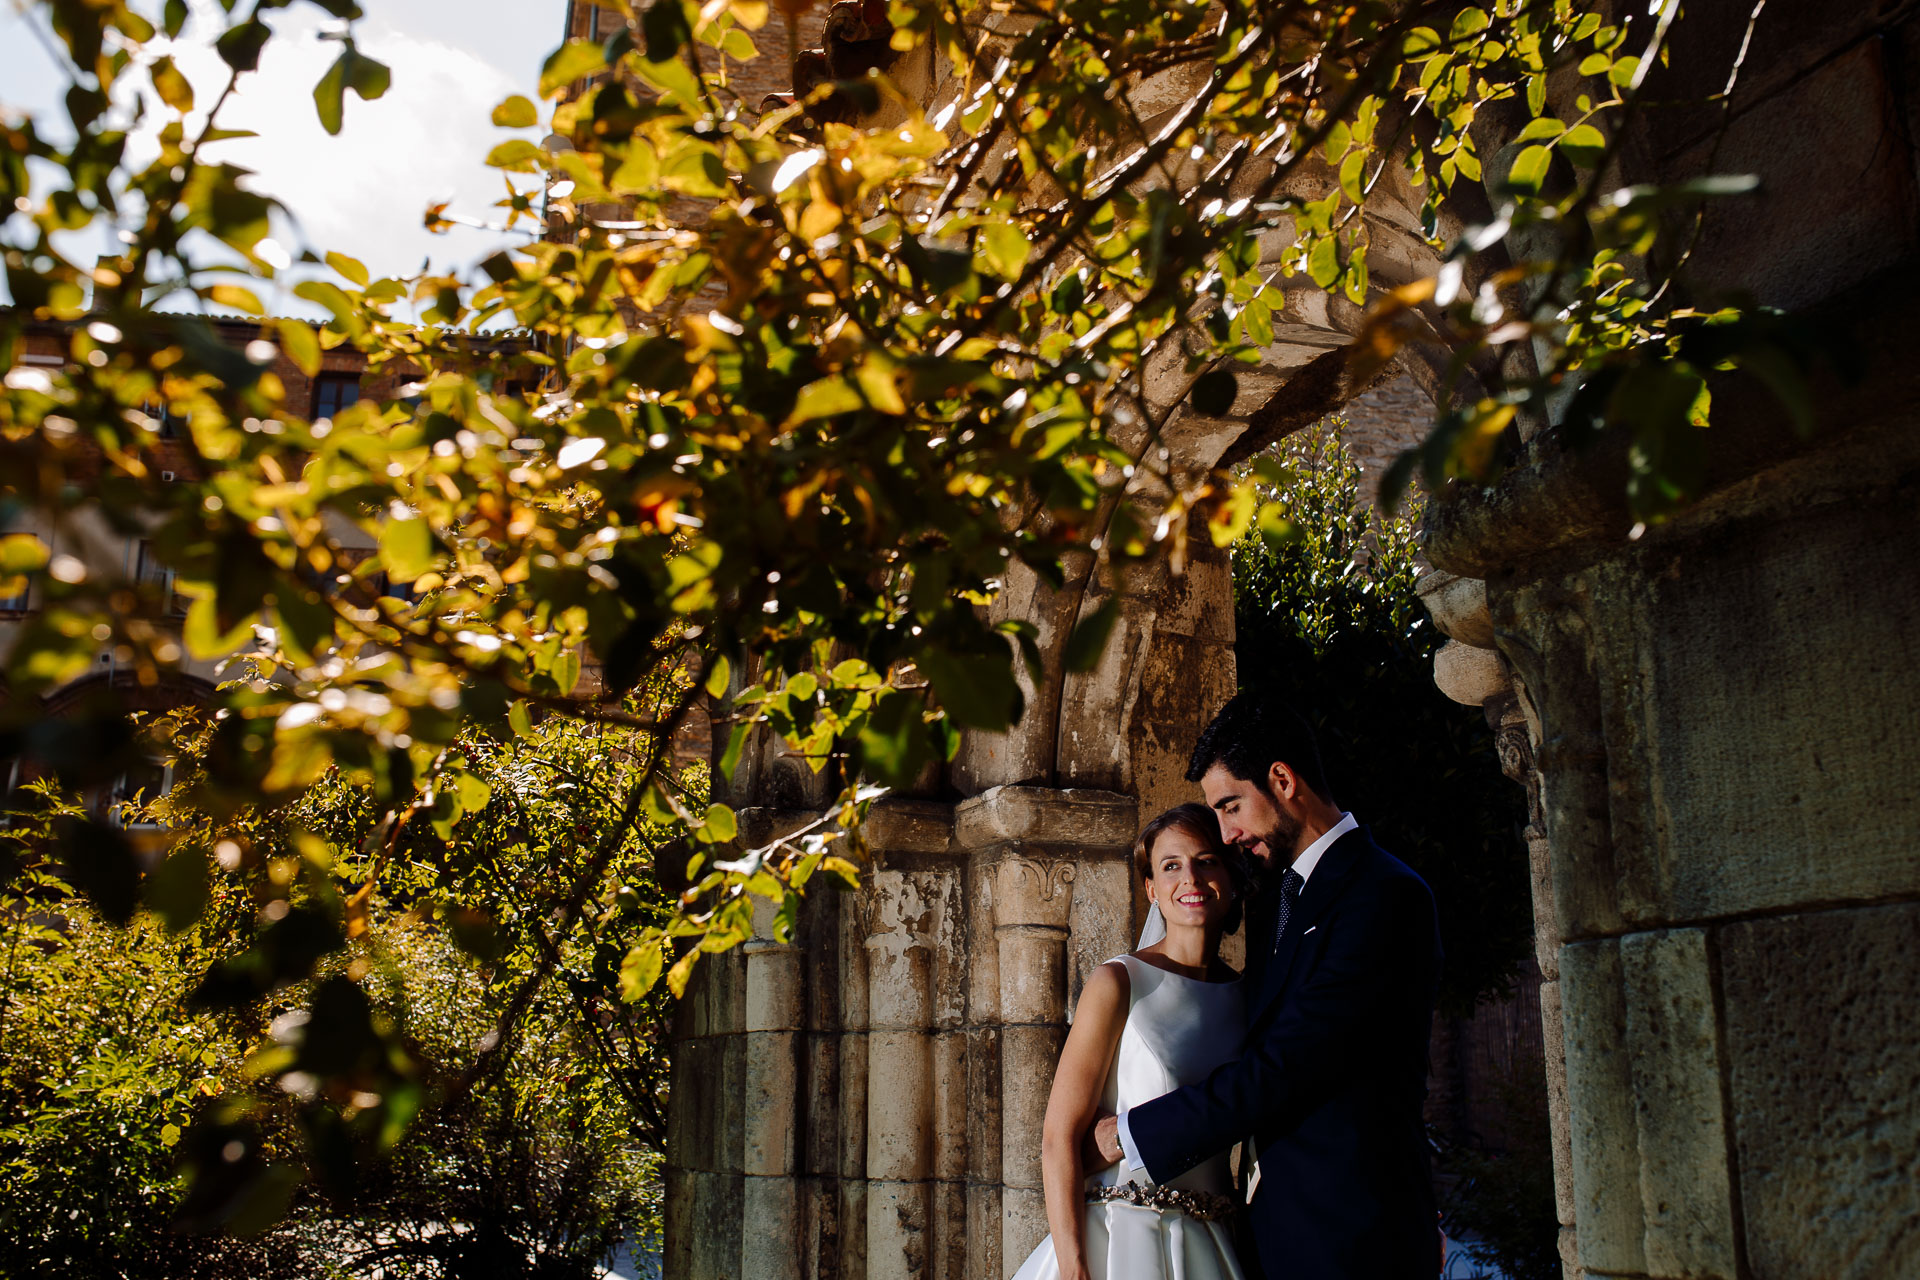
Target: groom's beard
[{"x": 1279, "y": 842}]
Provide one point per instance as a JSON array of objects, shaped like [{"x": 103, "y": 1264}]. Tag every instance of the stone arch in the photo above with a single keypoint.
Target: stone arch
[{"x": 865, "y": 1102}]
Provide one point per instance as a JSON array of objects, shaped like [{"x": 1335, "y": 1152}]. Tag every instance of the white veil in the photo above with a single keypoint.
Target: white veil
[{"x": 1153, "y": 930}]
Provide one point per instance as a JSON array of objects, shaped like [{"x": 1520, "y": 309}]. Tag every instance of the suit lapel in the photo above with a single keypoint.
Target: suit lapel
[{"x": 1322, "y": 889}]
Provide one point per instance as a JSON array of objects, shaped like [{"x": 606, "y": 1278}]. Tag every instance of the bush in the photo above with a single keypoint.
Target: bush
[{"x": 116, "y": 1070}]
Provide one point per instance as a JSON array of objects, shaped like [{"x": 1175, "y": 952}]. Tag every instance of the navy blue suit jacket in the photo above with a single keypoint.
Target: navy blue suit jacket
[{"x": 1332, "y": 1080}]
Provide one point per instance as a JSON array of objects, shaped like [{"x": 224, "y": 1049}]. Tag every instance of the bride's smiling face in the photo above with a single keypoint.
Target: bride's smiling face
[{"x": 1190, "y": 881}]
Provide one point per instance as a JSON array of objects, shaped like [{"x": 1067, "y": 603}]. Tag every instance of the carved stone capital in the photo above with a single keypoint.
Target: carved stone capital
[{"x": 1033, "y": 890}]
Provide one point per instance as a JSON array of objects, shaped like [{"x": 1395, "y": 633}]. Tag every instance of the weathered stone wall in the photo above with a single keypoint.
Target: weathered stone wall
[{"x": 1718, "y": 718}]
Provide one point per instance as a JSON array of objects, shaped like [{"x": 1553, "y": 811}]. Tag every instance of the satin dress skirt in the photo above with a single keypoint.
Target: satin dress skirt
[{"x": 1130, "y": 1242}]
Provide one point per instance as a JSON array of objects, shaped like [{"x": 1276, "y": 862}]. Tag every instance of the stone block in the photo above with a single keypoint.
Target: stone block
[
  {"x": 853, "y": 1227},
  {"x": 1826, "y": 158},
  {"x": 1043, "y": 815},
  {"x": 1602, "y": 1124},
  {"x": 1823, "y": 1049},
  {"x": 1457, "y": 605},
  {"x": 1027, "y": 1058},
  {"x": 704, "y": 1129},
  {"x": 983, "y": 1105},
  {"x": 1032, "y": 891},
  {"x": 899, "y": 1105},
  {"x": 949, "y": 1104},
  {"x": 1685, "y": 1190},
  {"x": 853, "y": 1106},
  {"x": 772, "y": 1091},
  {"x": 824, "y": 1104},
  {"x": 948, "y": 1250},
  {"x": 983, "y": 1232},
  {"x": 1101, "y": 920},
  {"x": 773, "y": 988},
  {"x": 1033, "y": 974},
  {"x": 1023, "y": 1223},
  {"x": 769, "y": 1229},
  {"x": 1470, "y": 676},
  {"x": 1778, "y": 745},
  {"x": 1570, "y": 1255},
  {"x": 1170, "y": 686},
  {"x": 715, "y": 1001},
  {"x": 1553, "y": 1038},
  {"x": 898, "y": 1240},
  {"x": 897, "y": 824},
  {"x": 1546, "y": 928},
  {"x": 703, "y": 1225}
]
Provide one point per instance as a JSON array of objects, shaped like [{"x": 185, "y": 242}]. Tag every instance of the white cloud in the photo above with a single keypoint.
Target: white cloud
[{"x": 365, "y": 192}]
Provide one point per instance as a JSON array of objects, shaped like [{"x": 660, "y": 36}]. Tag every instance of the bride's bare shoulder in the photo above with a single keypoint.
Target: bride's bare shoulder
[{"x": 1108, "y": 984}]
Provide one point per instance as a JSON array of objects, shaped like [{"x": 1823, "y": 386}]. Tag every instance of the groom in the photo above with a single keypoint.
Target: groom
[{"x": 1343, "y": 956}]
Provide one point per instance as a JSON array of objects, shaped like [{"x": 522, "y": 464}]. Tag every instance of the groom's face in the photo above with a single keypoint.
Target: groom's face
[{"x": 1249, "y": 816}]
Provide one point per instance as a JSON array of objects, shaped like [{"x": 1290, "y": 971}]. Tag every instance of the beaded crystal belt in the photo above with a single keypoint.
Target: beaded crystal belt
[{"x": 1206, "y": 1206}]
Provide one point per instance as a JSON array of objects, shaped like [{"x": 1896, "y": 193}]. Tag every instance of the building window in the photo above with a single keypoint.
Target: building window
[
  {"x": 149, "y": 571},
  {"x": 138, "y": 786},
  {"x": 333, "y": 392}
]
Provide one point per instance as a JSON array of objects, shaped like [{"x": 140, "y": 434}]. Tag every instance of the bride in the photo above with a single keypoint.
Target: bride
[{"x": 1146, "y": 1024}]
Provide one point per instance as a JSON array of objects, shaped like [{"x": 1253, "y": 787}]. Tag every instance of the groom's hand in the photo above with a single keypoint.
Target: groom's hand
[{"x": 1103, "y": 1144}]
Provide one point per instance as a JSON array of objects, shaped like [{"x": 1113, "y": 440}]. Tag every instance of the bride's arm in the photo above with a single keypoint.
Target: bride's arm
[{"x": 1078, "y": 1083}]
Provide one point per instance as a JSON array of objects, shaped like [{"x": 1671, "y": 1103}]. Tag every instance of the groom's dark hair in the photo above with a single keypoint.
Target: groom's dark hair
[{"x": 1252, "y": 731}]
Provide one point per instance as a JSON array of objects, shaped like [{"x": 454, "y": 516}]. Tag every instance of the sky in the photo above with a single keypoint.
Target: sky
[{"x": 362, "y": 193}]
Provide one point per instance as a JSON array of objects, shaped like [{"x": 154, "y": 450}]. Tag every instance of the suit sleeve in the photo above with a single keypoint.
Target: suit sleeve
[{"x": 1377, "y": 956}]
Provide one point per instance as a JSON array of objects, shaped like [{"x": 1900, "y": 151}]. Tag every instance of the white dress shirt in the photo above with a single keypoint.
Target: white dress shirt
[{"x": 1303, "y": 866}]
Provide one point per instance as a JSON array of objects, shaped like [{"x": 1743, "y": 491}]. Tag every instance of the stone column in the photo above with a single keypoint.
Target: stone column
[
  {"x": 772, "y": 1026},
  {"x": 1470, "y": 671},
  {"x": 899, "y": 1077},
  {"x": 1031, "y": 841}
]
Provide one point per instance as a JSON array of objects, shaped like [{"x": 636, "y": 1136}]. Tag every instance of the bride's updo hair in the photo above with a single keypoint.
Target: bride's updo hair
[{"x": 1197, "y": 821}]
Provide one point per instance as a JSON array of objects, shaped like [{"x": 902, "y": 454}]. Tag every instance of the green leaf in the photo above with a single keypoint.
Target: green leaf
[
  {"x": 351, "y": 268},
  {"x": 1323, "y": 262},
  {"x": 574, "y": 60},
  {"x": 720, "y": 826},
  {"x": 1544, "y": 129},
  {"x": 640, "y": 970},
  {"x": 1003, "y": 247},
  {"x": 473, "y": 791},
  {"x": 976, "y": 689},
  {"x": 1529, "y": 170},
  {"x": 681, "y": 973},
  {"x": 172, "y": 86},
  {"x": 520, "y": 719},
  {"x": 516, "y": 155},
  {"x": 1090, "y": 634},
  {"x": 893, "y": 742},
  {"x": 406, "y": 547},
  {"x": 301, "y": 344},
  {"x": 1584, "y": 145},
  {"x": 517, "y": 112},
  {"x": 719, "y": 677},
  {"x": 475, "y": 933},
  {"x": 351, "y": 70},
  {"x": 827, "y": 398},
  {"x": 239, "y": 47},
  {"x": 666, "y": 29},
  {"x": 1353, "y": 171}
]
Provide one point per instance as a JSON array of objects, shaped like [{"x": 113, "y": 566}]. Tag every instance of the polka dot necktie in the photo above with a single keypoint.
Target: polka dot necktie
[{"x": 1290, "y": 883}]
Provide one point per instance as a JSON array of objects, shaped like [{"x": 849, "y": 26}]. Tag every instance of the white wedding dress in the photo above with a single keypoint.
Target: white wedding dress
[{"x": 1178, "y": 1030}]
